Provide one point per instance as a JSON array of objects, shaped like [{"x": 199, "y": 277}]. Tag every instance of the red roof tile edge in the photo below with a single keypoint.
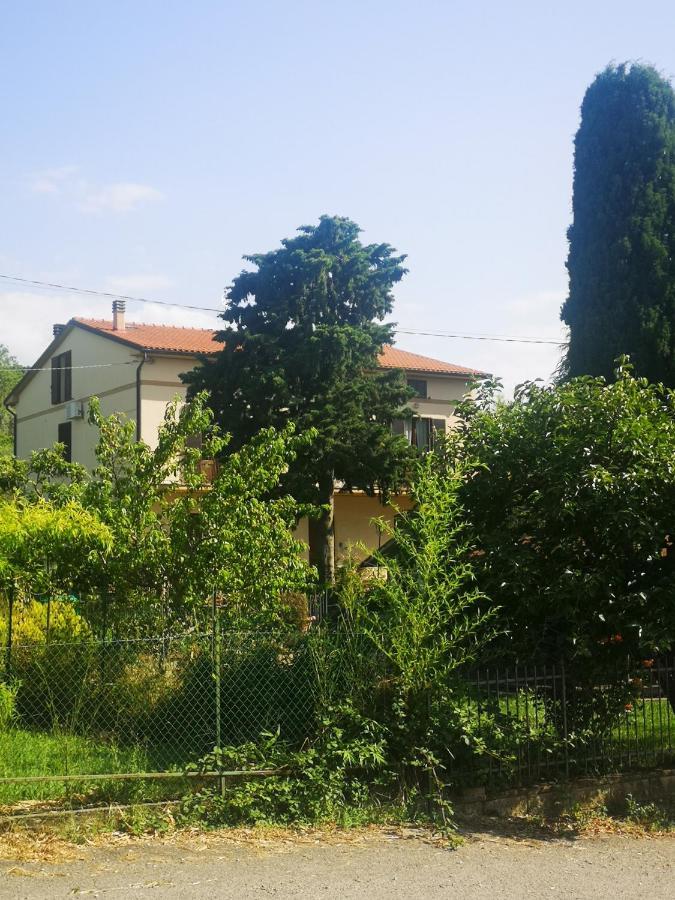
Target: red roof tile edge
[{"x": 191, "y": 341}]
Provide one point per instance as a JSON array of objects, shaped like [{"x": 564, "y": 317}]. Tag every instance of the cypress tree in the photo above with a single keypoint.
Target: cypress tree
[{"x": 621, "y": 259}]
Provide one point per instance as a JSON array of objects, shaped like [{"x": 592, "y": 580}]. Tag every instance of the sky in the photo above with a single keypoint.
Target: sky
[{"x": 147, "y": 145}]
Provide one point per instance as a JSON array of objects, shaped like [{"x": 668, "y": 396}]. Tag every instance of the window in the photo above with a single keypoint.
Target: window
[
  {"x": 62, "y": 377},
  {"x": 420, "y": 432},
  {"x": 195, "y": 441},
  {"x": 66, "y": 438},
  {"x": 419, "y": 385}
]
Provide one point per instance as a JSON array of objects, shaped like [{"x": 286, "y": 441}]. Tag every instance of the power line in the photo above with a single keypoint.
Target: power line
[
  {"x": 108, "y": 294},
  {"x": 481, "y": 337},
  {"x": 465, "y": 336},
  {"x": 131, "y": 362}
]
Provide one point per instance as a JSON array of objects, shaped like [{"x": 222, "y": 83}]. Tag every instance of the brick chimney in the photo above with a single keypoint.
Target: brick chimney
[{"x": 119, "y": 308}]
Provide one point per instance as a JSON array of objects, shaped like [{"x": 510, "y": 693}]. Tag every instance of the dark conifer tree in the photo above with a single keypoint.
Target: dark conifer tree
[
  {"x": 304, "y": 331},
  {"x": 621, "y": 259}
]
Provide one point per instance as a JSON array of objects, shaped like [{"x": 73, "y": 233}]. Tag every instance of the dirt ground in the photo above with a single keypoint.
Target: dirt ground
[{"x": 373, "y": 865}]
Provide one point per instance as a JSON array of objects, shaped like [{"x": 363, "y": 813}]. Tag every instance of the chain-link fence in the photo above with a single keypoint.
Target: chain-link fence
[
  {"x": 147, "y": 706},
  {"x": 157, "y": 705}
]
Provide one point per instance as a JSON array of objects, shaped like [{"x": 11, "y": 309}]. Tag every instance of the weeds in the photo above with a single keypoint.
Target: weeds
[{"x": 649, "y": 816}]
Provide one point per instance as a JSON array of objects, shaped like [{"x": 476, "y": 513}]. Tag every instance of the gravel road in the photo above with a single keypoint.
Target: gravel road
[{"x": 381, "y": 866}]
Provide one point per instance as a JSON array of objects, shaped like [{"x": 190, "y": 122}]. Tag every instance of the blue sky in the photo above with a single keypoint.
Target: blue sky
[{"x": 148, "y": 145}]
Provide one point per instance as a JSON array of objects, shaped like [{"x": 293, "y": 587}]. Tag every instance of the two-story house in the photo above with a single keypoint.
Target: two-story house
[{"x": 135, "y": 369}]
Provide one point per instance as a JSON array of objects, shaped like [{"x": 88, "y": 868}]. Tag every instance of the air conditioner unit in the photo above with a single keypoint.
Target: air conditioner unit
[{"x": 74, "y": 410}]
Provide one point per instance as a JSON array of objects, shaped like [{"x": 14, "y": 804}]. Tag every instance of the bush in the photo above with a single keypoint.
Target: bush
[
  {"x": 7, "y": 704},
  {"x": 423, "y": 623},
  {"x": 327, "y": 781},
  {"x": 29, "y": 623},
  {"x": 570, "y": 491}
]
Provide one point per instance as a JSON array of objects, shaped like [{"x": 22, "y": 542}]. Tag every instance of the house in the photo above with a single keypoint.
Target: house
[{"x": 135, "y": 368}]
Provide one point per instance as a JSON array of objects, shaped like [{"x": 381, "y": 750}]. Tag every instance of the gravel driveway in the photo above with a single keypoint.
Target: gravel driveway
[{"x": 374, "y": 867}]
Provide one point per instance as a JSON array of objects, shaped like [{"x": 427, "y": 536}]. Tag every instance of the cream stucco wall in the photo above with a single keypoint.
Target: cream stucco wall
[
  {"x": 356, "y": 535},
  {"x": 443, "y": 395},
  {"x": 354, "y": 528},
  {"x": 160, "y": 383},
  {"x": 112, "y": 378}
]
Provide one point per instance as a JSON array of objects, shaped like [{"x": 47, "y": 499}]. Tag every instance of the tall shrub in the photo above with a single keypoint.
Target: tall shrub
[
  {"x": 424, "y": 620},
  {"x": 571, "y": 497}
]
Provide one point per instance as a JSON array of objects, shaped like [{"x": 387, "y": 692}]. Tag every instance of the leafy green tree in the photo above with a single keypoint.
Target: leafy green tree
[
  {"x": 177, "y": 534},
  {"x": 10, "y": 373},
  {"x": 571, "y": 500},
  {"x": 621, "y": 259},
  {"x": 180, "y": 536},
  {"x": 301, "y": 344}
]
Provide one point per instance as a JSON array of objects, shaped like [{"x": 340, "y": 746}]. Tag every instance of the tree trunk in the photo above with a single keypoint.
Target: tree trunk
[{"x": 322, "y": 536}]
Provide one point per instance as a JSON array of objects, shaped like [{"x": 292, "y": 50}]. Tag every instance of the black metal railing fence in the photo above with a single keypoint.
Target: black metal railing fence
[{"x": 551, "y": 721}]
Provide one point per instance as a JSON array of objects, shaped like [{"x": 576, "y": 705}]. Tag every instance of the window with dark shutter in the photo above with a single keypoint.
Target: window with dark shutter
[
  {"x": 55, "y": 380},
  {"x": 419, "y": 385},
  {"x": 67, "y": 375},
  {"x": 65, "y": 437},
  {"x": 422, "y": 434},
  {"x": 62, "y": 377}
]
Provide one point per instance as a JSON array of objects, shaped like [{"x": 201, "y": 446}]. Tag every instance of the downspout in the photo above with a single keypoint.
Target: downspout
[
  {"x": 12, "y": 413},
  {"x": 138, "y": 394}
]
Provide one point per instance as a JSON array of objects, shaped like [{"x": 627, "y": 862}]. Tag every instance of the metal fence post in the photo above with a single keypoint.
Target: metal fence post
[
  {"x": 564, "y": 712},
  {"x": 10, "y": 624},
  {"x": 217, "y": 676}
]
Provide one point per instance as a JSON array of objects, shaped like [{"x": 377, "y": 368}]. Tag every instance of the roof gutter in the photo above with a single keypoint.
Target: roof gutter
[{"x": 146, "y": 357}]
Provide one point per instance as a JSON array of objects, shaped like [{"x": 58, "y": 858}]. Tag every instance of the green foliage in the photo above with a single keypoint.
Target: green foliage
[
  {"x": 622, "y": 239},
  {"x": 571, "y": 494},
  {"x": 33, "y": 753},
  {"x": 46, "y": 475},
  {"x": 8, "y": 694},
  {"x": 10, "y": 374},
  {"x": 392, "y": 708},
  {"x": 172, "y": 536},
  {"x": 301, "y": 343},
  {"x": 650, "y": 816},
  {"x": 326, "y": 781},
  {"x": 29, "y": 624},
  {"x": 423, "y": 620},
  {"x": 43, "y": 546}
]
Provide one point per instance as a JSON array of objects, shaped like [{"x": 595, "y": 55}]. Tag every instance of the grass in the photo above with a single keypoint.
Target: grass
[
  {"x": 27, "y": 753},
  {"x": 643, "y": 736}
]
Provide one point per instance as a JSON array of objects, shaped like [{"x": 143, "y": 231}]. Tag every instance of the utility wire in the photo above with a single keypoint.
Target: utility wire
[
  {"x": 108, "y": 294},
  {"x": 510, "y": 339},
  {"x": 131, "y": 362},
  {"x": 481, "y": 337}
]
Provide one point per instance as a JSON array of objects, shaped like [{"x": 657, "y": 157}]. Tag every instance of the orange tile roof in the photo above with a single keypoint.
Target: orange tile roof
[
  {"x": 170, "y": 338},
  {"x": 393, "y": 358},
  {"x": 175, "y": 339}
]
